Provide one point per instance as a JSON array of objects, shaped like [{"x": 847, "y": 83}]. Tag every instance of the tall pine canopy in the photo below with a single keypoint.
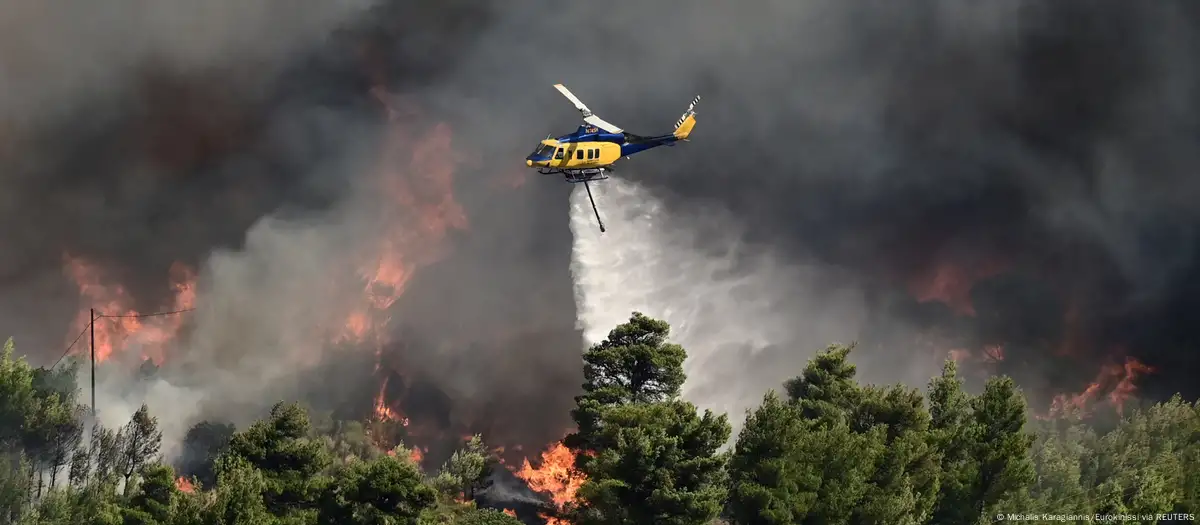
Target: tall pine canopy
[
  {"x": 836, "y": 451},
  {"x": 821, "y": 449},
  {"x": 649, "y": 456}
]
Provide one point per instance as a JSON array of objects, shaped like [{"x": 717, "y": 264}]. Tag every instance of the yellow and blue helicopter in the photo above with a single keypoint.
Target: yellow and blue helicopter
[{"x": 589, "y": 153}]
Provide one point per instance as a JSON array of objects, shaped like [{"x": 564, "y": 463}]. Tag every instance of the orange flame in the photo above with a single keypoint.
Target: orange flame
[
  {"x": 414, "y": 179},
  {"x": 556, "y": 476},
  {"x": 184, "y": 485},
  {"x": 989, "y": 355},
  {"x": 510, "y": 512},
  {"x": 383, "y": 412},
  {"x": 951, "y": 284},
  {"x": 416, "y": 175},
  {"x": 415, "y": 455},
  {"x": 121, "y": 328},
  {"x": 1116, "y": 379}
]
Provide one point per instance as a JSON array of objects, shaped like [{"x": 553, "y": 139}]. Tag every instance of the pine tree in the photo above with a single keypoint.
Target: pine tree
[
  {"x": 648, "y": 456},
  {"x": 465, "y": 472},
  {"x": 139, "y": 442},
  {"x": 290, "y": 462}
]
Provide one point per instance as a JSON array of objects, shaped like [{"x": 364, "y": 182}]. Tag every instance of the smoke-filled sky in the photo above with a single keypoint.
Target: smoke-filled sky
[
  {"x": 870, "y": 143},
  {"x": 1044, "y": 144}
]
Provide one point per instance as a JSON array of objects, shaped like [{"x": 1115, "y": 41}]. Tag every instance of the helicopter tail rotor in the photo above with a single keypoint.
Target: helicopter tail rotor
[{"x": 687, "y": 121}]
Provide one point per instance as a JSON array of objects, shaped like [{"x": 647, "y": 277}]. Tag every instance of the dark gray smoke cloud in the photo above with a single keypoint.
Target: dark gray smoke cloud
[
  {"x": 1054, "y": 137},
  {"x": 888, "y": 139},
  {"x": 249, "y": 141},
  {"x": 882, "y": 138}
]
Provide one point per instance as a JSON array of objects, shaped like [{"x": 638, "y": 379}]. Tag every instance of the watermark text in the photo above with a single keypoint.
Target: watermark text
[{"x": 1075, "y": 518}]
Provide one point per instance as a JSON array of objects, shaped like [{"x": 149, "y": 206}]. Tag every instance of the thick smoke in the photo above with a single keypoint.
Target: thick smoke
[
  {"x": 282, "y": 151},
  {"x": 1043, "y": 146},
  {"x": 1048, "y": 138},
  {"x": 59, "y": 55},
  {"x": 855, "y": 145}
]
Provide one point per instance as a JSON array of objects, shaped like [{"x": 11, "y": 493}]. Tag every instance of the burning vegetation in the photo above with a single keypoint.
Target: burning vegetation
[
  {"x": 119, "y": 326},
  {"x": 957, "y": 460},
  {"x": 417, "y": 213},
  {"x": 556, "y": 477},
  {"x": 229, "y": 237},
  {"x": 415, "y": 210},
  {"x": 952, "y": 286}
]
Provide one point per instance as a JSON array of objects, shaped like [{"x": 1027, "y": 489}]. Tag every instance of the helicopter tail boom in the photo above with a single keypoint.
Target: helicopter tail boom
[{"x": 683, "y": 129}]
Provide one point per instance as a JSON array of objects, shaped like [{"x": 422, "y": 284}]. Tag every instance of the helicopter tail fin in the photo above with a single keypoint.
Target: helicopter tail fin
[{"x": 683, "y": 127}]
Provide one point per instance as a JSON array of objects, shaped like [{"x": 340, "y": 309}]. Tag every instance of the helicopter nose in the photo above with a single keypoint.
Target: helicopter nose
[{"x": 528, "y": 162}]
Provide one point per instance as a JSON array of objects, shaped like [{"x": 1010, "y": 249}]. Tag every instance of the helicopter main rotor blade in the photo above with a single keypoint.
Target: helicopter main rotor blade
[
  {"x": 602, "y": 124},
  {"x": 588, "y": 116},
  {"x": 574, "y": 100}
]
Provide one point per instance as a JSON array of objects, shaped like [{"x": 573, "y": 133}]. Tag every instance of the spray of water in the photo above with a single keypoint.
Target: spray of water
[{"x": 738, "y": 310}]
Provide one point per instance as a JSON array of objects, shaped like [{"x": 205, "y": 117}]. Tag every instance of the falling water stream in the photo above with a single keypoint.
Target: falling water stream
[{"x": 734, "y": 307}]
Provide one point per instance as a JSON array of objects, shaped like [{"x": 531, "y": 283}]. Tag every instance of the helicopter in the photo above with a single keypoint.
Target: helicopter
[{"x": 589, "y": 153}]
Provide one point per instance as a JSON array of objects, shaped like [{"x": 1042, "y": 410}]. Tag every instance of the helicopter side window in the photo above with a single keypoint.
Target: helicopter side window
[
  {"x": 578, "y": 154},
  {"x": 558, "y": 155},
  {"x": 590, "y": 154}
]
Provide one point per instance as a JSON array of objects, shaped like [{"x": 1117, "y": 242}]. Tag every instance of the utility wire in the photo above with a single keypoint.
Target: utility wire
[
  {"x": 155, "y": 314},
  {"x": 100, "y": 316},
  {"x": 72, "y": 345}
]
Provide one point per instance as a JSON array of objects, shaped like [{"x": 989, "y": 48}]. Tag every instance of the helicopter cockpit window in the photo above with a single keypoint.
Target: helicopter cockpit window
[{"x": 544, "y": 150}]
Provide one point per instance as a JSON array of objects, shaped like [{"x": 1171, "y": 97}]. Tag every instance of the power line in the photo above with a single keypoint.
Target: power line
[
  {"x": 155, "y": 314},
  {"x": 100, "y": 316},
  {"x": 91, "y": 327},
  {"x": 72, "y": 345}
]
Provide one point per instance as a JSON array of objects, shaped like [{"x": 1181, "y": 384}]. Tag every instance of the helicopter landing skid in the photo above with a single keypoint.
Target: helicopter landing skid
[{"x": 575, "y": 176}]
